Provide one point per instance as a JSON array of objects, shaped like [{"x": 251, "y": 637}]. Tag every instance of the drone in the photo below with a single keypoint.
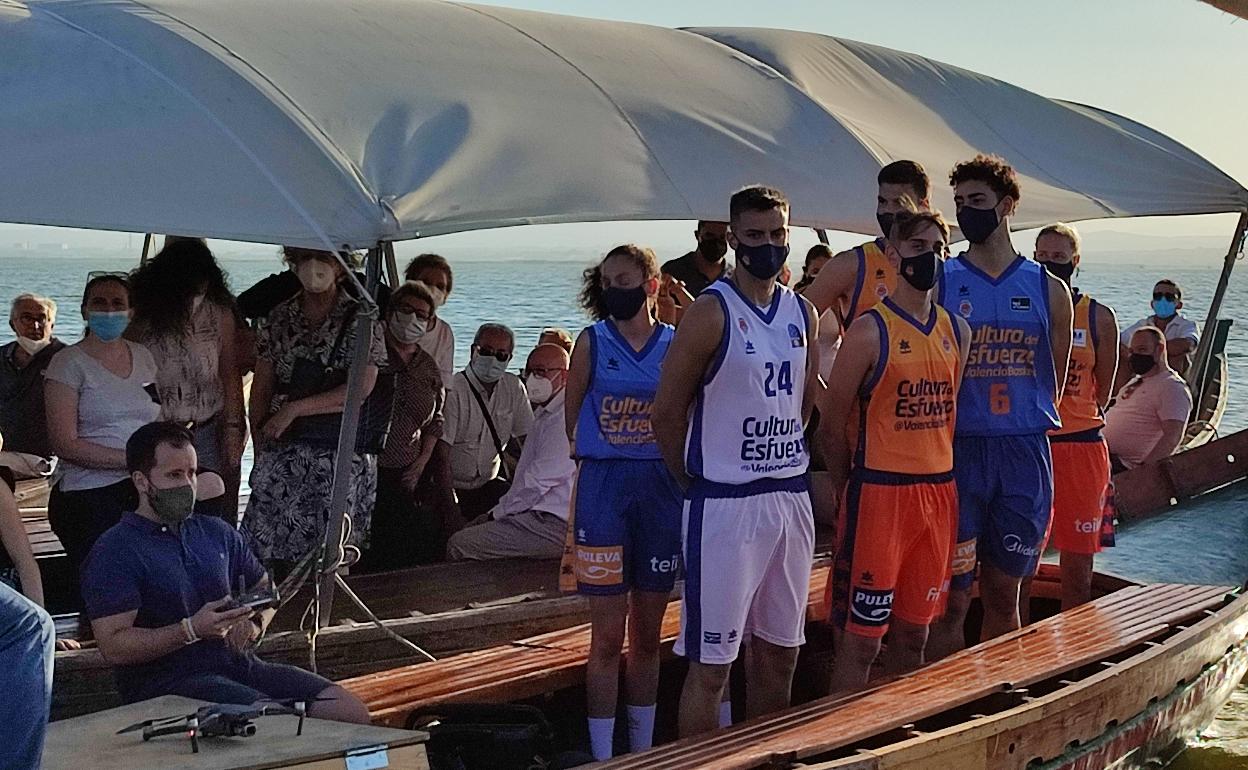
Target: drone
[{"x": 220, "y": 720}]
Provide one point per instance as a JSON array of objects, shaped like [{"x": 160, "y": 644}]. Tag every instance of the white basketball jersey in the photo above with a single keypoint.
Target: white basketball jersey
[{"x": 746, "y": 422}]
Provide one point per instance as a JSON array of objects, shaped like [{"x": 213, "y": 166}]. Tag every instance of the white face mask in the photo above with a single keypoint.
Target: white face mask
[
  {"x": 32, "y": 346},
  {"x": 487, "y": 368},
  {"x": 540, "y": 389},
  {"x": 316, "y": 276},
  {"x": 407, "y": 327}
]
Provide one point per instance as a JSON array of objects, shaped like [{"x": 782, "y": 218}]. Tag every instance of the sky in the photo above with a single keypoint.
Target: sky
[{"x": 1174, "y": 65}]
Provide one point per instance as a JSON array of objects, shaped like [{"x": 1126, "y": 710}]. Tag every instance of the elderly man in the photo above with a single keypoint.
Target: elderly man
[
  {"x": 22, "y": 363},
  {"x": 162, "y": 589},
  {"x": 486, "y": 408},
  {"x": 530, "y": 521},
  {"x": 1146, "y": 423}
]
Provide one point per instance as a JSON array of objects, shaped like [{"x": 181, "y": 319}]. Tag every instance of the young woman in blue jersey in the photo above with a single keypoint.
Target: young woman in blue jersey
[{"x": 626, "y": 507}]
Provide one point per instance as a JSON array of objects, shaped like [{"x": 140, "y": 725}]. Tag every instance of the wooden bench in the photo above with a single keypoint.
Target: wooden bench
[
  {"x": 509, "y": 672},
  {"x": 1106, "y": 627}
]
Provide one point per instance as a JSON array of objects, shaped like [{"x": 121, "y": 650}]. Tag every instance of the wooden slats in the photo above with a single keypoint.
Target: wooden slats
[
  {"x": 510, "y": 672},
  {"x": 1086, "y": 635},
  {"x": 43, "y": 541}
]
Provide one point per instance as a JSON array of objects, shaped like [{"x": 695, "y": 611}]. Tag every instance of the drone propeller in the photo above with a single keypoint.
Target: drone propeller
[{"x": 158, "y": 722}]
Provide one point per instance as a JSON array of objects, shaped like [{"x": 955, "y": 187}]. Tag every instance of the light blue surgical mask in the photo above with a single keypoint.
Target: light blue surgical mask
[
  {"x": 487, "y": 368},
  {"x": 1164, "y": 308},
  {"x": 108, "y": 325}
]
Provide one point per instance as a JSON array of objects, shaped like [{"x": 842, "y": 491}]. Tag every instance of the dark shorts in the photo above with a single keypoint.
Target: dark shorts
[
  {"x": 627, "y": 516},
  {"x": 1005, "y": 500},
  {"x": 244, "y": 681}
]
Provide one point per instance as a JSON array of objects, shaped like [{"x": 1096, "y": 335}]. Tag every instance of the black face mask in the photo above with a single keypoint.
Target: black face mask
[
  {"x": 978, "y": 224},
  {"x": 1141, "y": 363},
  {"x": 920, "y": 271},
  {"x": 886, "y": 223},
  {"x": 623, "y": 304},
  {"x": 713, "y": 249},
  {"x": 1062, "y": 270},
  {"x": 765, "y": 260}
]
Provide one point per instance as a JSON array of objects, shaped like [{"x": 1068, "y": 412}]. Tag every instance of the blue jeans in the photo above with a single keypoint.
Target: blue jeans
[{"x": 27, "y": 644}]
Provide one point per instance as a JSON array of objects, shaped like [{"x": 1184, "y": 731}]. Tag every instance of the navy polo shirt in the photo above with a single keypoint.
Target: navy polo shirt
[{"x": 166, "y": 574}]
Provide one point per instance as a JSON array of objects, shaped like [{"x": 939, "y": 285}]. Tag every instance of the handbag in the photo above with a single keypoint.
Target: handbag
[{"x": 310, "y": 377}]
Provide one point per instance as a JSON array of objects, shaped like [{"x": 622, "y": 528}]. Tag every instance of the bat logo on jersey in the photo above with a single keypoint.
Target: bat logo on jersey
[
  {"x": 742, "y": 325},
  {"x": 871, "y": 607},
  {"x": 946, "y": 344},
  {"x": 965, "y": 308}
]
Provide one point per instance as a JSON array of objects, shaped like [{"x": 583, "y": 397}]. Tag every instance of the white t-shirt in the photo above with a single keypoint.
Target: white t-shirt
[
  {"x": 474, "y": 458},
  {"x": 110, "y": 408},
  {"x": 439, "y": 343},
  {"x": 1133, "y": 425},
  {"x": 1179, "y": 328}
]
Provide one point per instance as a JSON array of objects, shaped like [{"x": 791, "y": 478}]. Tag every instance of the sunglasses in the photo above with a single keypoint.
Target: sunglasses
[
  {"x": 544, "y": 371},
  {"x": 118, "y": 274},
  {"x": 1166, "y": 295},
  {"x": 499, "y": 355}
]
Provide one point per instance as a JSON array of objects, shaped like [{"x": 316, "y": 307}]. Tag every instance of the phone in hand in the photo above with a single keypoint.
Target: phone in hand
[{"x": 260, "y": 599}]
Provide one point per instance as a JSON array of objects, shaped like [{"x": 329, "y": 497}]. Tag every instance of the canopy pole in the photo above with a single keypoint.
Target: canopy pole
[
  {"x": 344, "y": 457},
  {"x": 822, "y": 234},
  {"x": 392, "y": 267},
  {"x": 1196, "y": 375},
  {"x": 147, "y": 248}
]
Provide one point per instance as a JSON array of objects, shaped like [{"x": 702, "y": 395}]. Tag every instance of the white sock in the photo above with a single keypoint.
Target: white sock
[
  {"x": 640, "y": 727},
  {"x": 725, "y": 714},
  {"x": 601, "y": 736}
]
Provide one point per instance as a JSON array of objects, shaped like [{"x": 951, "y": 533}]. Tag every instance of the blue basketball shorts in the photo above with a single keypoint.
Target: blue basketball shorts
[
  {"x": 626, "y": 527},
  {"x": 1005, "y": 501}
]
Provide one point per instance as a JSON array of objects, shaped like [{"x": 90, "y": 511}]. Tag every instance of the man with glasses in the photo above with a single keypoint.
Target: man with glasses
[
  {"x": 486, "y": 409},
  {"x": 530, "y": 520},
  {"x": 1180, "y": 331},
  {"x": 22, "y": 363}
]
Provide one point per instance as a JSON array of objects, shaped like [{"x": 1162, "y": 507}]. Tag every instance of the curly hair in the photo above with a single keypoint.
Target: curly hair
[
  {"x": 992, "y": 170},
  {"x": 591, "y": 280},
  {"x": 162, "y": 289}
]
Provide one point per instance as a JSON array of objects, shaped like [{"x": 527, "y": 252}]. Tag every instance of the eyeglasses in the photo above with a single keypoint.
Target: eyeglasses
[
  {"x": 1166, "y": 295},
  {"x": 499, "y": 355},
  {"x": 544, "y": 371}
]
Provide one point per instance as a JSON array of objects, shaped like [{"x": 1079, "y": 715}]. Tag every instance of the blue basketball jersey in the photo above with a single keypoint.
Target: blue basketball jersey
[
  {"x": 615, "y": 419},
  {"x": 1010, "y": 383}
]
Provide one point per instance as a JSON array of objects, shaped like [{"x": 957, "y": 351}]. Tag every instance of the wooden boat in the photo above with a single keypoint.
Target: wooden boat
[{"x": 1110, "y": 684}]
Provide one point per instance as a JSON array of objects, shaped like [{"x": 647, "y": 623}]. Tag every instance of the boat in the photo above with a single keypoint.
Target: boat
[{"x": 1113, "y": 683}]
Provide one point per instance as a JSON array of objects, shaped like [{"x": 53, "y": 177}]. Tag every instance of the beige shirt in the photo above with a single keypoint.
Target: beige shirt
[
  {"x": 474, "y": 458},
  {"x": 1133, "y": 426},
  {"x": 544, "y": 474}
]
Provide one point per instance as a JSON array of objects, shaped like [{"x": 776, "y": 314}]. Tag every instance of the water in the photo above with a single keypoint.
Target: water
[{"x": 531, "y": 295}]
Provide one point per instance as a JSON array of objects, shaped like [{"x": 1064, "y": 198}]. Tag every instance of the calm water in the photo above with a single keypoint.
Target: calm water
[{"x": 531, "y": 295}]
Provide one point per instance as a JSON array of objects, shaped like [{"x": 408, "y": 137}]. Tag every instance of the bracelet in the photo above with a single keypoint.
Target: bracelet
[{"x": 188, "y": 630}]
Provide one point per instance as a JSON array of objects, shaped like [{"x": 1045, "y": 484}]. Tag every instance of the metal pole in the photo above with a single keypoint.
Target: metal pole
[
  {"x": 344, "y": 458},
  {"x": 392, "y": 267},
  {"x": 147, "y": 248},
  {"x": 823, "y": 235},
  {"x": 1196, "y": 375}
]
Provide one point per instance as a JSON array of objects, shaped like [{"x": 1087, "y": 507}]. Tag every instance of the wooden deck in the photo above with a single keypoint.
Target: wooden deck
[{"x": 1002, "y": 668}]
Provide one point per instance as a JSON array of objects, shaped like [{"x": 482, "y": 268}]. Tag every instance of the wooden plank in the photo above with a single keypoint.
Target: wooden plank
[
  {"x": 323, "y": 744},
  {"x": 1045, "y": 649}
]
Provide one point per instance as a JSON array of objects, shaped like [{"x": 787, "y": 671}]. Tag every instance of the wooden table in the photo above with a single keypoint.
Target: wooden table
[{"x": 91, "y": 742}]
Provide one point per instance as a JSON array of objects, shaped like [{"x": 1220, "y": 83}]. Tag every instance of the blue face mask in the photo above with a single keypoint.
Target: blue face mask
[
  {"x": 108, "y": 325},
  {"x": 763, "y": 261},
  {"x": 1164, "y": 308}
]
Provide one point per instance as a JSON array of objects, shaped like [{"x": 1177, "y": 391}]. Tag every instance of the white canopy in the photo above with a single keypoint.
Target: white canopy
[{"x": 355, "y": 121}]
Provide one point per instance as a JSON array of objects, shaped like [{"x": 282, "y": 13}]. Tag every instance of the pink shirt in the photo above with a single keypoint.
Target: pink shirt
[{"x": 1133, "y": 426}]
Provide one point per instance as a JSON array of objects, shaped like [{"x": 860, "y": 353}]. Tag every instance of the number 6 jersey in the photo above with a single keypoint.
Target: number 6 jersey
[
  {"x": 746, "y": 422},
  {"x": 1009, "y": 386}
]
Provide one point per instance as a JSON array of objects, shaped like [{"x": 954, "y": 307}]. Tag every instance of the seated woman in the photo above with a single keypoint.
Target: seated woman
[{"x": 97, "y": 392}]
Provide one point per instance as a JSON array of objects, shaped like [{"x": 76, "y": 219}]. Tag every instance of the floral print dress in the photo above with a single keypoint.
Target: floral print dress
[{"x": 291, "y": 482}]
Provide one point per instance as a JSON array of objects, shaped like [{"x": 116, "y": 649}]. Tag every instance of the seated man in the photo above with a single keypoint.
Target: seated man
[
  {"x": 486, "y": 407},
  {"x": 1146, "y": 422},
  {"x": 22, "y": 363},
  {"x": 1180, "y": 331},
  {"x": 531, "y": 520},
  {"x": 158, "y": 586}
]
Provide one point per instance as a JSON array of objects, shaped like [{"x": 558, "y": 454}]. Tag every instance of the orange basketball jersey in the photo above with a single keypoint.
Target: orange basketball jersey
[
  {"x": 907, "y": 409},
  {"x": 876, "y": 279},
  {"x": 1078, "y": 408}
]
